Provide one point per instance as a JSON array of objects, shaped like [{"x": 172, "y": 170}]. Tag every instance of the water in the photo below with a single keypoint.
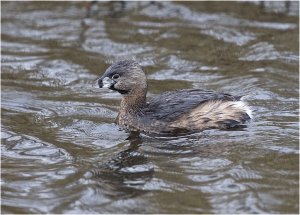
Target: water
[{"x": 62, "y": 153}]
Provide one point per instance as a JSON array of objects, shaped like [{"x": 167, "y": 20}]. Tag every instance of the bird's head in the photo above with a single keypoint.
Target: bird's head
[{"x": 124, "y": 76}]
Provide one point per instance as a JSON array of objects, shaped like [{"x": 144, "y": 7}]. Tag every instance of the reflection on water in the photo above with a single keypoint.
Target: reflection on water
[{"x": 60, "y": 149}]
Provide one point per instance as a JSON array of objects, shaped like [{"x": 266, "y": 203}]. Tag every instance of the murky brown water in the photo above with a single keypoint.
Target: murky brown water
[{"x": 62, "y": 153}]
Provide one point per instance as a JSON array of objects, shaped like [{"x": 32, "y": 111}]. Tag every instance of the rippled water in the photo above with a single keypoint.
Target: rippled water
[{"x": 60, "y": 149}]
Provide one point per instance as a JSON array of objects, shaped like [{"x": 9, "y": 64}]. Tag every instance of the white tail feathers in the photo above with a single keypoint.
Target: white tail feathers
[{"x": 243, "y": 107}]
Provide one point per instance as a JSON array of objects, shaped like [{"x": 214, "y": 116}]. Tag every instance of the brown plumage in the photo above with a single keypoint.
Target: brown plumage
[{"x": 175, "y": 112}]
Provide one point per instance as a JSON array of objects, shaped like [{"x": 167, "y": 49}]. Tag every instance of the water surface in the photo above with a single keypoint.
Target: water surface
[{"x": 61, "y": 151}]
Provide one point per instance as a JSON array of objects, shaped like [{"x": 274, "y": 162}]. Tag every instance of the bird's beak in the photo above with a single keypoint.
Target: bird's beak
[{"x": 105, "y": 82}]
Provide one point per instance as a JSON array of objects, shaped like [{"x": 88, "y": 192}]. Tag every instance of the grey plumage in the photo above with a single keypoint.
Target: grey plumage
[
  {"x": 171, "y": 105},
  {"x": 175, "y": 112}
]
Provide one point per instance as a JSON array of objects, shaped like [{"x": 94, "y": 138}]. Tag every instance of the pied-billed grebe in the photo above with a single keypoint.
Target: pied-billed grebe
[{"x": 175, "y": 112}]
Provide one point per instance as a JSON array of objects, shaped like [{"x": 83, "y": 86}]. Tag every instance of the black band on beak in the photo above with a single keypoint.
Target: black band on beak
[{"x": 100, "y": 82}]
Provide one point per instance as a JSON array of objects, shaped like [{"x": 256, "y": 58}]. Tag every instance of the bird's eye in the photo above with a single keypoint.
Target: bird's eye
[{"x": 115, "y": 76}]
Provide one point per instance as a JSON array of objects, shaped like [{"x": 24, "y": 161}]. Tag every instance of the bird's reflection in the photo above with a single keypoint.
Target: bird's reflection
[
  {"x": 125, "y": 173},
  {"x": 130, "y": 156}
]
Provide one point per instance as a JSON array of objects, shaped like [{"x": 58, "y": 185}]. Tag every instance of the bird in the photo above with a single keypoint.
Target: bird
[{"x": 178, "y": 112}]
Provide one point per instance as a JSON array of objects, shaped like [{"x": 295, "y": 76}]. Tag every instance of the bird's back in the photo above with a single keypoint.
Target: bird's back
[
  {"x": 196, "y": 109},
  {"x": 171, "y": 105}
]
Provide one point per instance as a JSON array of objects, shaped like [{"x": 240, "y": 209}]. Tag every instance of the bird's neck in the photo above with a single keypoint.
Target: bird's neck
[{"x": 134, "y": 102}]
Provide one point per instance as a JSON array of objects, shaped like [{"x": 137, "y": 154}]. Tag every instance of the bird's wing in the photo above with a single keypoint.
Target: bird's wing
[{"x": 171, "y": 105}]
